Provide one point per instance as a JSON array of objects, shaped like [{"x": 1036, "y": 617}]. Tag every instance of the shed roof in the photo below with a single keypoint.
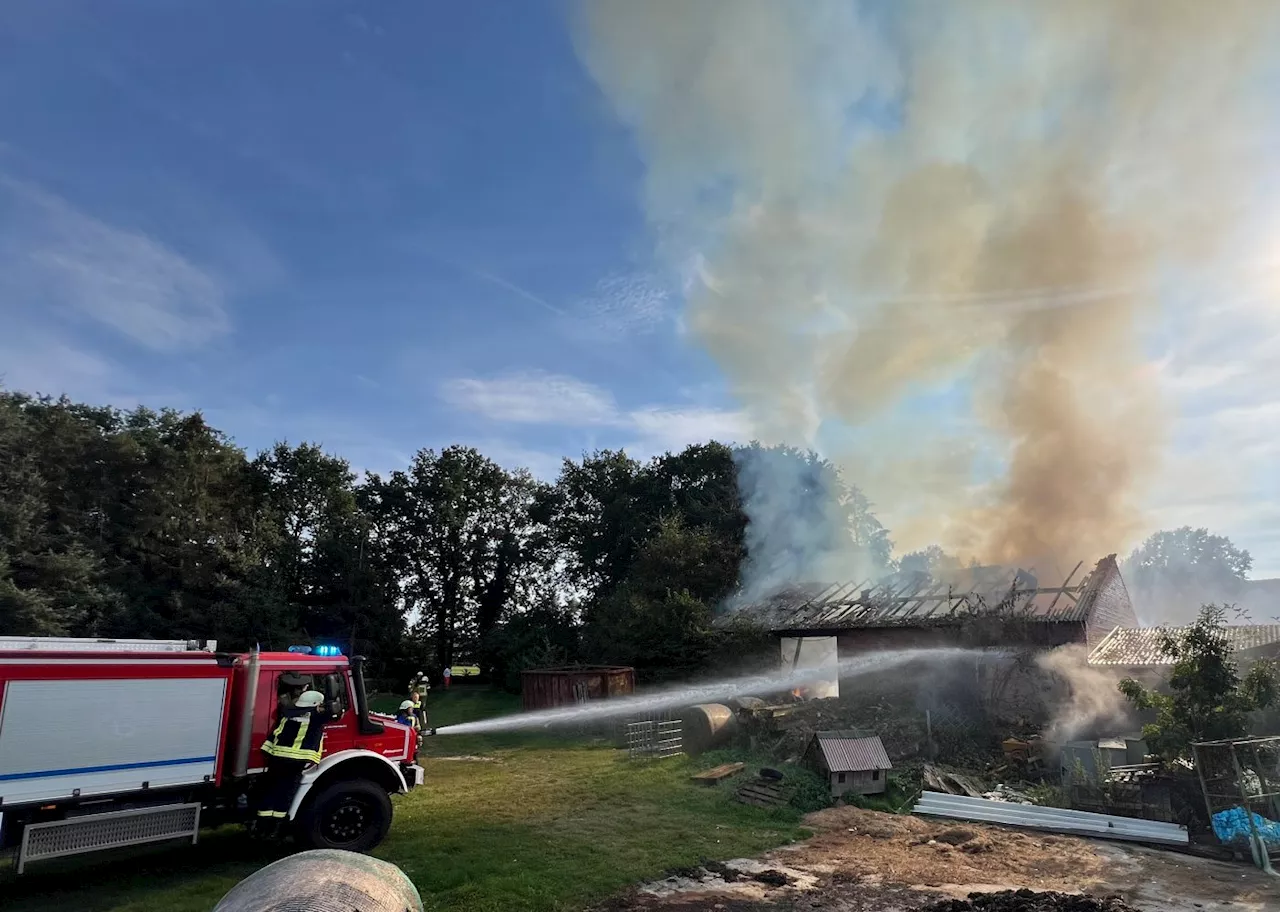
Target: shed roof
[
  {"x": 1141, "y": 645},
  {"x": 916, "y": 599},
  {"x": 844, "y": 752}
]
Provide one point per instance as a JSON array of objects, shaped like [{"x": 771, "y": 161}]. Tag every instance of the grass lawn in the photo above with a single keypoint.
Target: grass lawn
[{"x": 554, "y": 825}]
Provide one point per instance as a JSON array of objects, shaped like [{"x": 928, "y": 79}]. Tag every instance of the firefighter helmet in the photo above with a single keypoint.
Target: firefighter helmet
[
  {"x": 310, "y": 700},
  {"x": 407, "y": 704}
]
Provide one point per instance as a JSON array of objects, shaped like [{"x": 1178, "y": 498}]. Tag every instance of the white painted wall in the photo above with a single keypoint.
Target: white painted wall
[{"x": 107, "y": 736}]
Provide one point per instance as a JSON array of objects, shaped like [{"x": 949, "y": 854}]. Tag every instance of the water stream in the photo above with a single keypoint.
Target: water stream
[{"x": 713, "y": 691}]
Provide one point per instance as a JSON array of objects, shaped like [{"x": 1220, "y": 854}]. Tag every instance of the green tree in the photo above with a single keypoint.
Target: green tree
[
  {"x": 466, "y": 545},
  {"x": 929, "y": 560},
  {"x": 1175, "y": 571},
  {"x": 599, "y": 513},
  {"x": 51, "y": 517},
  {"x": 659, "y": 619},
  {"x": 1208, "y": 700}
]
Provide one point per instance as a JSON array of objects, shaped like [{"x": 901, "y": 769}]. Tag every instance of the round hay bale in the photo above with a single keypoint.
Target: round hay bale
[
  {"x": 324, "y": 881},
  {"x": 708, "y": 726}
]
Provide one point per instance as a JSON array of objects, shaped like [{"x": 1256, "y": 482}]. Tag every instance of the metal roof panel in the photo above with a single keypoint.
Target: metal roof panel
[{"x": 844, "y": 754}]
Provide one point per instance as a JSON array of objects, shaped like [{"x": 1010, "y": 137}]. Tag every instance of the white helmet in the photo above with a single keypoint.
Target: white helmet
[
  {"x": 407, "y": 704},
  {"x": 310, "y": 700}
]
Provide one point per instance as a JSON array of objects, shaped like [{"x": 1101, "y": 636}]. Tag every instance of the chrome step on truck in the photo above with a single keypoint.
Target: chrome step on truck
[{"x": 114, "y": 830}]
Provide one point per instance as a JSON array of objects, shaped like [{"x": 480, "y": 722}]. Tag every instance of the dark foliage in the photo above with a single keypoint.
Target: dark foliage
[{"x": 154, "y": 524}]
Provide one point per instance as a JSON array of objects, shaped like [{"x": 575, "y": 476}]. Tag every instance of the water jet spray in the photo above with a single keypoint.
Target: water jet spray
[{"x": 718, "y": 690}]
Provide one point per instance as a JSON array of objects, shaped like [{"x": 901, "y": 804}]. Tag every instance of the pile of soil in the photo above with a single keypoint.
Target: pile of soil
[
  {"x": 1030, "y": 901},
  {"x": 904, "y": 849}
]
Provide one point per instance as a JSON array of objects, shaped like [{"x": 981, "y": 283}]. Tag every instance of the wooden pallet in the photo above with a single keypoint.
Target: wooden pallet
[
  {"x": 716, "y": 773},
  {"x": 763, "y": 792}
]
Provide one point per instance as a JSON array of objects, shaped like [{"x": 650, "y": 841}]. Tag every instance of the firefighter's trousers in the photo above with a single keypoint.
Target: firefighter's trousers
[{"x": 278, "y": 786}]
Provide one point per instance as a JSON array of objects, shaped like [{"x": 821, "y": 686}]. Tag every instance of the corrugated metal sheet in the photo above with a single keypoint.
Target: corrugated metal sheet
[
  {"x": 545, "y": 688},
  {"x": 1052, "y": 820},
  {"x": 1141, "y": 645},
  {"x": 914, "y": 599},
  {"x": 843, "y": 754}
]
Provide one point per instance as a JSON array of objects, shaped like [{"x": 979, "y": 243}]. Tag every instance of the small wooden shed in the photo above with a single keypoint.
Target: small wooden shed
[
  {"x": 851, "y": 761},
  {"x": 547, "y": 688}
]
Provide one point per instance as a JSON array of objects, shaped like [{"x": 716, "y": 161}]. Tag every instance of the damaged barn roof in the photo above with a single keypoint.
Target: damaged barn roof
[
  {"x": 916, "y": 599},
  {"x": 1141, "y": 645}
]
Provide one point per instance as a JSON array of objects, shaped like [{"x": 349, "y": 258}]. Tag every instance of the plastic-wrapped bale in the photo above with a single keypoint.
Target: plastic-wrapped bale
[
  {"x": 707, "y": 726},
  {"x": 1232, "y": 826},
  {"x": 324, "y": 880}
]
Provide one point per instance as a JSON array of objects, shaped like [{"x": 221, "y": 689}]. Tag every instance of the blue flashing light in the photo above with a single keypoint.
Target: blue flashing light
[
  {"x": 328, "y": 651},
  {"x": 300, "y": 650}
]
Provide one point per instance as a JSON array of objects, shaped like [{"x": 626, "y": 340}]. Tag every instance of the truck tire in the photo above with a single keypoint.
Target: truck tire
[{"x": 350, "y": 814}]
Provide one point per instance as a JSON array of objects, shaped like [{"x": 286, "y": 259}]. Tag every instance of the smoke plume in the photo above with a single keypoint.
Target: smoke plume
[
  {"x": 1088, "y": 703},
  {"x": 928, "y": 239}
]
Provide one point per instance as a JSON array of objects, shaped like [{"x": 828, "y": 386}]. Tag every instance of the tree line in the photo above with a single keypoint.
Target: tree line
[{"x": 144, "y": 523}]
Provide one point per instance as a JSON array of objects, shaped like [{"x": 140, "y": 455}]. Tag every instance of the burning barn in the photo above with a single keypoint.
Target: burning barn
[{"x": 968, "y": 607}]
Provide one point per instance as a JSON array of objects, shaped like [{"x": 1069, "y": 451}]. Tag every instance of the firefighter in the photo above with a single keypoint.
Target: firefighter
[
  {"x": 419, "y": 709},
  {"x": 290, "y": 688},
  {"x": 409, "y": 716},
  {"x": 297, "y": 741}
]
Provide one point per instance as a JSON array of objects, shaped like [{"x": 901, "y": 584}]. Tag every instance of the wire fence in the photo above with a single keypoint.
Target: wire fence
[
  {"x": 1240, "y": 779},
  {"x": 655, "y": 737}
]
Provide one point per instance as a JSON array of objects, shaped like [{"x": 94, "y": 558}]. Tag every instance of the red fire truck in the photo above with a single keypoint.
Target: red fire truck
[{"x": 110, "y": 743}]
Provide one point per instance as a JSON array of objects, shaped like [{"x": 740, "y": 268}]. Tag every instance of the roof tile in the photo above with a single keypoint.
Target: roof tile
[{"x": 1141, "y": 645}]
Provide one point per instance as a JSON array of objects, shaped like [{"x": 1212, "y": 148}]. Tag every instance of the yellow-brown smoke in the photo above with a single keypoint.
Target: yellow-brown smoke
[{"x": 874, "y": 202}]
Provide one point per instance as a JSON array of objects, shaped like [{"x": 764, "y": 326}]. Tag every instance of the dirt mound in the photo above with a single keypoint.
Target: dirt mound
[
  {"x": 905, "y": 849},
  {"x": 1030, "y": 901}
]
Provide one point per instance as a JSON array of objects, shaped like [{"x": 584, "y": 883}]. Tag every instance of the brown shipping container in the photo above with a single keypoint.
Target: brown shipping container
[{"x": 547, "y": 688}]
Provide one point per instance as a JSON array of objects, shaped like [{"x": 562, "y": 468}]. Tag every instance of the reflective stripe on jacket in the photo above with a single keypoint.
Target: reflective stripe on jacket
[{"x": 298, "y": 736}]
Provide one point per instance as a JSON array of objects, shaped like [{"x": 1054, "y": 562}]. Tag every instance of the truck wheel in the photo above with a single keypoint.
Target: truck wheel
[{"x": 354, "y": 815}]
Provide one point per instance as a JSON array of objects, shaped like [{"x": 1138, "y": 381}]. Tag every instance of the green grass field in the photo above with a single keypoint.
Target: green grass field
[{"x": 555, "y": 825}]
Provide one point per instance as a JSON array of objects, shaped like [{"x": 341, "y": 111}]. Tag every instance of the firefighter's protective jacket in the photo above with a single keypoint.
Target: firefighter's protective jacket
[{"x": 298, "y": 736}]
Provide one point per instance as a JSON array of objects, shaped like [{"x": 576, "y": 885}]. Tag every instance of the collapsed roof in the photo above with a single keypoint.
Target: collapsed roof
[
  {"x": 1133, "y": 646},
  {"x": 917, "y": 599}
]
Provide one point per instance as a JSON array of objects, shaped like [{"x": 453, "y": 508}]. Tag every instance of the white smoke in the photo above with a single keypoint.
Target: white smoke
[{"x": 928, "y": 238}]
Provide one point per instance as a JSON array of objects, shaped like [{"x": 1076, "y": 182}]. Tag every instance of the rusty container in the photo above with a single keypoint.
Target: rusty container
[{"x": 548, "y": 688}]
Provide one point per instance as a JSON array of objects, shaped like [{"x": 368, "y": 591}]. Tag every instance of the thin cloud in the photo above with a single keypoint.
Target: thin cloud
[
  {"x": 533, "y": 397},
  {"x": 1223, "y": 374},
  {"x": 61, "y": 257},
  {"x": 539, "y": 398},
  {"x": 621, "y": 306},
  {"x": 662, "y": 429}
]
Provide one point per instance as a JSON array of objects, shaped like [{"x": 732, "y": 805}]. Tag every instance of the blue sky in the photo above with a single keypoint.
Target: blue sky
[
  {"x": 381, "y": 226},
  {"x": 389, "y": 225}
]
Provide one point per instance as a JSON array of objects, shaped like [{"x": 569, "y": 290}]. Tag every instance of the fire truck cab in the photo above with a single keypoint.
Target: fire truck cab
[{"x": 111, "y": 743}]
